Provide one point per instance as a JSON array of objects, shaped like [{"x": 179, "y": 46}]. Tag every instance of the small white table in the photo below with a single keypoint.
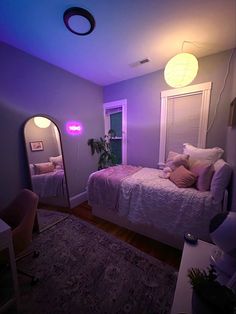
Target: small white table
[
  {"x": 6, "y": 243},
  {"x": 194, "y": 256}
]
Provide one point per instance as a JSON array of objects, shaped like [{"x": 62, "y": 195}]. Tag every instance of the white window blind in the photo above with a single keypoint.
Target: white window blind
[{"x": 183, "y": 122}]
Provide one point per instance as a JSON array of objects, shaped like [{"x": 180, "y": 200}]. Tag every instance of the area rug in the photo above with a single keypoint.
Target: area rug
[
  {"x": 84, "y": 270},
  {"x": 48, "y": 218}
]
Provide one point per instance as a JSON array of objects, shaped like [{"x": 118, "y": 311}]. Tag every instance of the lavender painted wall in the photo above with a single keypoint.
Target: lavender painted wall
[
  {"x": 143, "y": 108},
  {"x": 47, "y": 136},
  {"x": 28, "y": 87}
]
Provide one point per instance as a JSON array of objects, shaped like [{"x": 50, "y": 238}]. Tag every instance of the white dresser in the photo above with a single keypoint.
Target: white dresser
[
  {"x": 194, "y": 256},
  {"x": 6, "y": 243}
]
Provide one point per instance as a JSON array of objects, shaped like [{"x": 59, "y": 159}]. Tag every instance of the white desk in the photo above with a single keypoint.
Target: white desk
[
  {"x": 6, "y": 243},
  {"x": 193, "y": 256}
]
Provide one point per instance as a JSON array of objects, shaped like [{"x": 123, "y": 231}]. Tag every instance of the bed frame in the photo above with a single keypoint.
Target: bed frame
[
  {"x": 105, "y": 208},
  {"x": 146, "y": 230}
]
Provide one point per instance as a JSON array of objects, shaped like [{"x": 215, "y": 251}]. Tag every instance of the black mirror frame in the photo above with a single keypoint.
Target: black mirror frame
[{"x": 27, "y": 158}]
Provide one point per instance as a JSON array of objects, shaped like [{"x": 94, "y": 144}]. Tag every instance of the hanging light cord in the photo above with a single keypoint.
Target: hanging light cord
[{"x": 222, "y": 89}]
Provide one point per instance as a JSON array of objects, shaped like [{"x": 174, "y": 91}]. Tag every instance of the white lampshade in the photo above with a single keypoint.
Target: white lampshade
[
  {"x": 181, "y": 70},
  {"x": 42, "y": 122}
]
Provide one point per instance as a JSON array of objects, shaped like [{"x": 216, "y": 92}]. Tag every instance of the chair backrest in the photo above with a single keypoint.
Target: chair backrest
[{"x": 20, "y": 216}]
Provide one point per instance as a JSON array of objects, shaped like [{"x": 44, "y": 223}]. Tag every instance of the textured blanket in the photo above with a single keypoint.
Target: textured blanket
[
  {"x": 144, "y": 197},
  {"x": 147, "y": 198},
  {"x": 49, "y": 184},
  {"x": 104, "y": 185}
]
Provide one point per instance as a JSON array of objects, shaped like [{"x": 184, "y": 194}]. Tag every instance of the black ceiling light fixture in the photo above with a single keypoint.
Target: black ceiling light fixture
[{"x": 79, "y": 21}]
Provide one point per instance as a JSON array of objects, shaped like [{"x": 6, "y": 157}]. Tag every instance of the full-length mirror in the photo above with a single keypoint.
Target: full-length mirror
[{"x": 46, "y": 166}]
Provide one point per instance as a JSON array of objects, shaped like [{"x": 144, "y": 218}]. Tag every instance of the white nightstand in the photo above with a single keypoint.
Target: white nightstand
[
  {"x": 6, "y": 243},
  {"x": 193, "y": 256}
]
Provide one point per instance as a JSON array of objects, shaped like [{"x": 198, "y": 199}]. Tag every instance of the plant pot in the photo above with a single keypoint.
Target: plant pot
[{"x": 199, "y": 306}]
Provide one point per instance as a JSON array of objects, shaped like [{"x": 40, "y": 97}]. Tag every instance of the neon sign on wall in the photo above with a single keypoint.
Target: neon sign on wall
[{"x": 73, "y": 128}]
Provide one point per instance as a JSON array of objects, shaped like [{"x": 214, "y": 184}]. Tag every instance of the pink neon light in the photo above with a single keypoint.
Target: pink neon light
[{"x": 73, "y": 128}]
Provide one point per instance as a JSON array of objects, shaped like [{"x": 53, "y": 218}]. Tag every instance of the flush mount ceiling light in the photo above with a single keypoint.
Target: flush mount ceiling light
[
  {"x": 42, "y": 122},
  {"x": 79, "y": 21},
  {"x": 181, "y": 69}
]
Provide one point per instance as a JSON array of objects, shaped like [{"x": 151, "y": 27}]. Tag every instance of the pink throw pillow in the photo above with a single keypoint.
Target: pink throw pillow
[
  {"x": 174, "y": 160},
  {"x": 182, "y": 177},
  {"x": 220, "y": 180},
  {"x": 43, "y": 167},
  {"x": 204, "y": 172}
]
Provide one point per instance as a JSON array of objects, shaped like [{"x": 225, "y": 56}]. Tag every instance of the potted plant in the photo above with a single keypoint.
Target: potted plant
[
  {"x": 209, "y": 296},
  {"x": 102, "y": 146}
]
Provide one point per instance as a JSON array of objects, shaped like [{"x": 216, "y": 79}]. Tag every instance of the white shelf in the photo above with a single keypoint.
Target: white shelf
[
  {"x": 6, "y": 243},
  {"x": 194, "y": 256}
]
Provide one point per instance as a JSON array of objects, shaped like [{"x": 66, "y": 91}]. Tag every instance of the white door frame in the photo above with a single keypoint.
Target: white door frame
[
  {"x": 122, "y": 103},
  {"x": 203, "y": 89}
]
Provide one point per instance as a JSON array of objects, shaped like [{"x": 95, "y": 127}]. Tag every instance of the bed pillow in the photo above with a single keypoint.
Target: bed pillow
[
  {"x": 182, "y": 177},
  {"x": 165, "y": 173},
  {"x": 43, "y": 167},
  {"x": 220, "y": 179},
  {"x": 174, "y": 160},
  {"x": 204, "y": 172},
  {"x": 57, "y": 161},
  {"x": 31, "y": 167},
  {"x": 210, "y": 154}
]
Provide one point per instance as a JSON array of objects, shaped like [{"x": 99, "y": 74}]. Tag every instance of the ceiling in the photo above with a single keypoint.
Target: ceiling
[{"x": 126, "y": 31}]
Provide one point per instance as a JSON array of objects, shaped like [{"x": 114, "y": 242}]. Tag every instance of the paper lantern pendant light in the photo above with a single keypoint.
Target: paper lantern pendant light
[
  {"x": 42, "y": 122},
  {"x": 181, "y": 70}
]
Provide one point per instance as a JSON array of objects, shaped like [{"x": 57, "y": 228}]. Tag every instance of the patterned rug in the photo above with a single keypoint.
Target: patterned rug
[
  {"x": 48, "y": 218},
  {"x": 84, "y": 270}
]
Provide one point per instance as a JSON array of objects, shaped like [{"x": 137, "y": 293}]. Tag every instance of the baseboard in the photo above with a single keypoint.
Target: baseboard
[{"x": 78, "y": 199}]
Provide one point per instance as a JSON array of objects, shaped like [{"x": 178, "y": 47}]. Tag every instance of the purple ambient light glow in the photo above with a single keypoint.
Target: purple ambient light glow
[{"x": 73, "y": 128}]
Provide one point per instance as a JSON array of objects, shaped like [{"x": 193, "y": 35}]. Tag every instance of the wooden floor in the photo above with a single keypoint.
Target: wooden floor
[{"x": 154, "y": 248}]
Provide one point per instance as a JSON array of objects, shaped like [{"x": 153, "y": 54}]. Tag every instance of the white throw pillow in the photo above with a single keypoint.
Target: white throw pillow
[
  {"x": 175, "y": 160},
  {"x": 32, "y": 172},
  {"x": 220, "y": 179},
  {"x": 209, "y": 154},
  {"x": 43, "y": 167},
  {"x": 57, "y": 161}
]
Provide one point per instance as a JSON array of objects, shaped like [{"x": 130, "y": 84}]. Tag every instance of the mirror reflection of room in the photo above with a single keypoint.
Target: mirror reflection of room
[{"x": 45, "y": 160}]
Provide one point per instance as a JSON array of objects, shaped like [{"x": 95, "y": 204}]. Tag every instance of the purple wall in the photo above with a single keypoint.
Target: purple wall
[
  {"x": 143, "y": 108},
  {"x": 143, "y": 112},
  {"x": 33, "y": 133},
  {"x": 28, "y": 87}
]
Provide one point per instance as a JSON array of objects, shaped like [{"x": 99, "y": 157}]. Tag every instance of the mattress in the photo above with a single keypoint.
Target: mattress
[
  {"x": 51, "y": 184},
  {"x": 145, "y": 198}
]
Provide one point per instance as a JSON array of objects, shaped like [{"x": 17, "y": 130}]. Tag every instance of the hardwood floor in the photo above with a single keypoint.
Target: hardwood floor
[{"x": 154, "y": 248}]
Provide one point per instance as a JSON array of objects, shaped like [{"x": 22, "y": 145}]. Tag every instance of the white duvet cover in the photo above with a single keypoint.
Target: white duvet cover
[
  {"x": 49, "y": 184},
  {"x": 147, "y": 198}
]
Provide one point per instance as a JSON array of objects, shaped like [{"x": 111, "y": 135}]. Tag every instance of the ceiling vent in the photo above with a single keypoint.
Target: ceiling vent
[
  {"x": 140, "y": 62},
  {"x": 144, "y": 61}
]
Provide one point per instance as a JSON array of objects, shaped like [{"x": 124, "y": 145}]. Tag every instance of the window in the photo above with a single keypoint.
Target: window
[
  {"x": 184, "y": 118},
  {"x": 115, "y": 117}
]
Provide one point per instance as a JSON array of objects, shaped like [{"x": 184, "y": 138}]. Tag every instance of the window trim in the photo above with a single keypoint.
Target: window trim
[
  {"x": 122, "y": 103},
  {"x": 205, "y": 90}
]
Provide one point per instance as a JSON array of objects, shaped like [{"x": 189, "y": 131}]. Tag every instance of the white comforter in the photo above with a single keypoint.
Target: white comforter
[
  {"x": 148, "y": 199},
  {"x": 50, "y": 184}
]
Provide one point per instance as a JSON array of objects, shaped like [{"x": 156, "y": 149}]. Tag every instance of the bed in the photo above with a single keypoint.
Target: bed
[
  {"x": 50, "y": 187},
  {"x": 140, "y": 199}
]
